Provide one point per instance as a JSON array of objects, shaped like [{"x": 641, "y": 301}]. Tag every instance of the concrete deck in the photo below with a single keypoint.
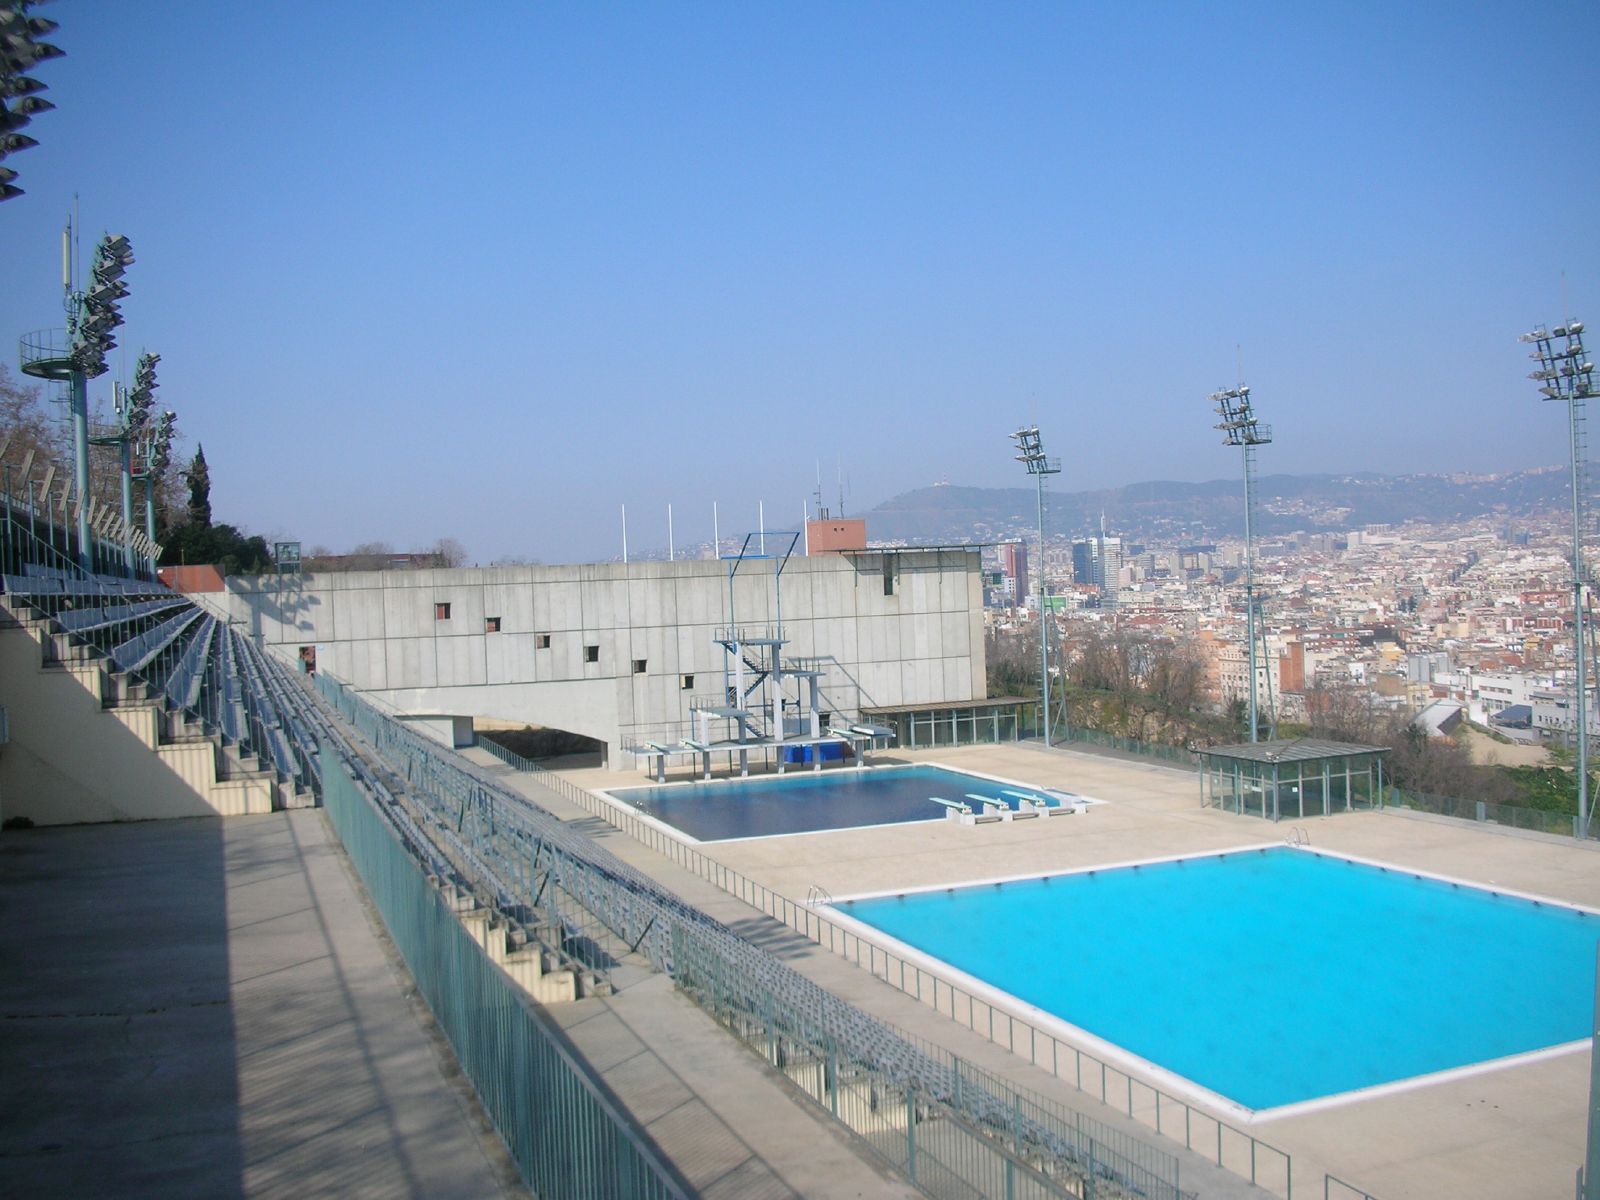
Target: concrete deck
[
  {"x": 201, "y": 1008},
  {"x": 1511, "y": 1132}
]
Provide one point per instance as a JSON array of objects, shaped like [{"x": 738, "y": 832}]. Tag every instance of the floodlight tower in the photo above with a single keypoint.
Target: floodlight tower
[
  {"x": 1031, "y": 454},
  {"x": 156, "y": 450},
  {"x": 79, "y": 354},
  {"x": 133, "y": 407},
  {"x": 135, "y": 412},
  {"x": 1565, "y": 373},
  {"x": 19, "y": 100},
  {"x": 1240, "y": 428}
]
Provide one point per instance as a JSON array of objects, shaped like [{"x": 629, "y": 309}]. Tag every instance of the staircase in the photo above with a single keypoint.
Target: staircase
[
  {"x": 130, "y": 703},
  {"x": 86, "y": 747}
]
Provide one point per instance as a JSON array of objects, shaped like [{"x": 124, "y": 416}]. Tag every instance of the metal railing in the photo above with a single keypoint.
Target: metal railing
[
  {"x": 1338, "y": 1189},
  {"x": 42, "y": 529},
  {"x": 953, "y": 1128},
  {"x": 1230, "y": 1147},
  {"x": 1112, "y": 741},
  {"x": 566, "y": 1136},
  {"x": 1512, "y": 816}
]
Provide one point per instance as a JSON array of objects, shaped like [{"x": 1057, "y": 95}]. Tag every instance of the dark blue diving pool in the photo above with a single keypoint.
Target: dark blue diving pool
[{"x": 809, "y": 803}]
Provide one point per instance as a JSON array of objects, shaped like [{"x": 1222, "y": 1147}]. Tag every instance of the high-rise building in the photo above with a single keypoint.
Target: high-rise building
[
  {"x": 1097, "y": 561},
  {"x": 1085, "y": 554},
  {"x": 1014, "y": 569},
  {"x": 1110, "y": 567}
]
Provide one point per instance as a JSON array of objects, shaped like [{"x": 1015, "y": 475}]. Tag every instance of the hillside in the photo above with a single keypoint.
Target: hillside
[{"x": 1197, "y": 512}]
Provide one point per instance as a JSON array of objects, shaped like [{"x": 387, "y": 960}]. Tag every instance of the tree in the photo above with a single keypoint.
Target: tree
[
  {"x": 198, "y": 477},
  {"x": 27, "y": 424},
  {"x": 236, "y": 552},
  {"x": 447, "y": 552},
  {"x": 1013, "y": 662}
]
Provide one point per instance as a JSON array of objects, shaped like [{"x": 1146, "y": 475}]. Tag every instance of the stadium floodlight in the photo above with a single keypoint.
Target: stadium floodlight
[
  {"x": 91, "y": 316},
  {"x": 1240, "y": 428},
  {"x": 97, "y": 313},
  {"x": 142, "y": 396},
  {"x": 133, "y": 406},
  {"x": 1566, "y": 374},
  {"x": 156, "y": 451},
  {"x": 161, "y": 455},
  {"x": 20, "y": 51},
  {"x": 1031, "y": 454}
]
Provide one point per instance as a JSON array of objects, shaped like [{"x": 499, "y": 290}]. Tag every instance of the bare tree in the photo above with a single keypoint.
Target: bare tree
[
  {"x": 27, "y": 424},
  {"x": 448, "y": 552}
]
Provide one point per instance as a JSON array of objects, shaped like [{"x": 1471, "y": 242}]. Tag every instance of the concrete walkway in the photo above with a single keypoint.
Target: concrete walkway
[
  {"x": 202, "y": 1008},
  {"x": 719, "y": 1114}
]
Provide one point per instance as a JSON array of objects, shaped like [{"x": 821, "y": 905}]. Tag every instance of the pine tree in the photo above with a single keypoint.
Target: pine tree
[{"x": 199, "y": 479}]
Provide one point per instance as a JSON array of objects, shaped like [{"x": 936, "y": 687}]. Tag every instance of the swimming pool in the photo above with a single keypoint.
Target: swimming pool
[
  {"x": 1270, "y": 976},
  {"x": 810, "y": 802}
]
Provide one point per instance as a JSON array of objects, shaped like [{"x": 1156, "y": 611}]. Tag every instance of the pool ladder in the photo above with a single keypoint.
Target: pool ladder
[
  {"x": 817, "y": 895},
  {"x": 1298, "y": 837}
]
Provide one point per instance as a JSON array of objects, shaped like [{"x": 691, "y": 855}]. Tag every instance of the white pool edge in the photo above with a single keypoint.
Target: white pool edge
[{"x": 1163, "y": 1077}]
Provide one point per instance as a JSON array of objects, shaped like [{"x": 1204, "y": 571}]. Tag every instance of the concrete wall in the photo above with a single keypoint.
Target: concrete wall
[{"x": 382, "y": 631}]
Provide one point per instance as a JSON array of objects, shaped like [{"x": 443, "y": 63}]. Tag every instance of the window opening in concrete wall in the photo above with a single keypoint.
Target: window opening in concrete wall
[
  {"x": 541, "y": 641},
  {"x": 639, "y": 666},
  {"x": 441, "y": 611},
  {"x": 491, "y": 624},
  {"x": 591, "y": 654},
  {"x": 888, "y": 580},
  {"x": 688, "y": 683}
]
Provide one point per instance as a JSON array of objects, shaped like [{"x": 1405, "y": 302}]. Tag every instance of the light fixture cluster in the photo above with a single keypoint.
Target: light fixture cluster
[
  {"x": 1565, "y": 372},
  {"x": 1239, "y": 425},
  {"x": 1032, "y": 452},
  {"x": 97, "y": 313},
  {"x": 161, "y": 444},
  {"x": 141, "y": 397},
  {"x": 20, "y": 102}
]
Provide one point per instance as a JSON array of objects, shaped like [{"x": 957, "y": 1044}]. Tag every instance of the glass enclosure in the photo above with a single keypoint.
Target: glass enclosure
[
  {"x": 1292, "y": 780},
  {"x": 957, "y": 725}
]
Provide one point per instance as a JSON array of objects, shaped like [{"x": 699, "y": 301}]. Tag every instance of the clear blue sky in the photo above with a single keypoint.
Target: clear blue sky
[{"x": 490, "y": 270}]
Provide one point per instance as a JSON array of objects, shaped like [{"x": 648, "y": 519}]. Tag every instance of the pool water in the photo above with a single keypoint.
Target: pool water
[
  {"x": 808, "y": 802},
  {"x": 1271, "y": 977}
]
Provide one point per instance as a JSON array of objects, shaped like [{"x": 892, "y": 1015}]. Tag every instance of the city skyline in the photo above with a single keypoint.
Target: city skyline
[{"x": 491, "y": 280}]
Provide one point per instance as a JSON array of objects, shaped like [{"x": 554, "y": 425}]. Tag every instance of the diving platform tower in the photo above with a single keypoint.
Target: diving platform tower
[{"x": 754, "y": 709}]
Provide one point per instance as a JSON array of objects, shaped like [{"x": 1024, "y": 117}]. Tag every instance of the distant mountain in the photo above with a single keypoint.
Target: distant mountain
[{"x": 1171, "y": 513}]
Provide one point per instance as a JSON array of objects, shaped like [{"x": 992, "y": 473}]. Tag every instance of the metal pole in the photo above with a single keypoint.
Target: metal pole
[
  {"x": 150, "y": 512},
  {"x": 1573, "y": 421},
  {"x": 1591, "y": 1171},
  {"x": 127, "y": 502},
  {"x": 1250, "y": 591},
  {"x": 78, "y": 400},
  {"x": 1044, "y": 645},
  {"x": 5, "y": 550}
]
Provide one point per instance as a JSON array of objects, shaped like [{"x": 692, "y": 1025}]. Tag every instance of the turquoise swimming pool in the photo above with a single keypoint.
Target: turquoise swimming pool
[{"x": 1273, "y": 976}]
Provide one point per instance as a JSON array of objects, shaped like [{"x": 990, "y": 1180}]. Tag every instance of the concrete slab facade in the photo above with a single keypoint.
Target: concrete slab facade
[{"x": 615, "y": 651}]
